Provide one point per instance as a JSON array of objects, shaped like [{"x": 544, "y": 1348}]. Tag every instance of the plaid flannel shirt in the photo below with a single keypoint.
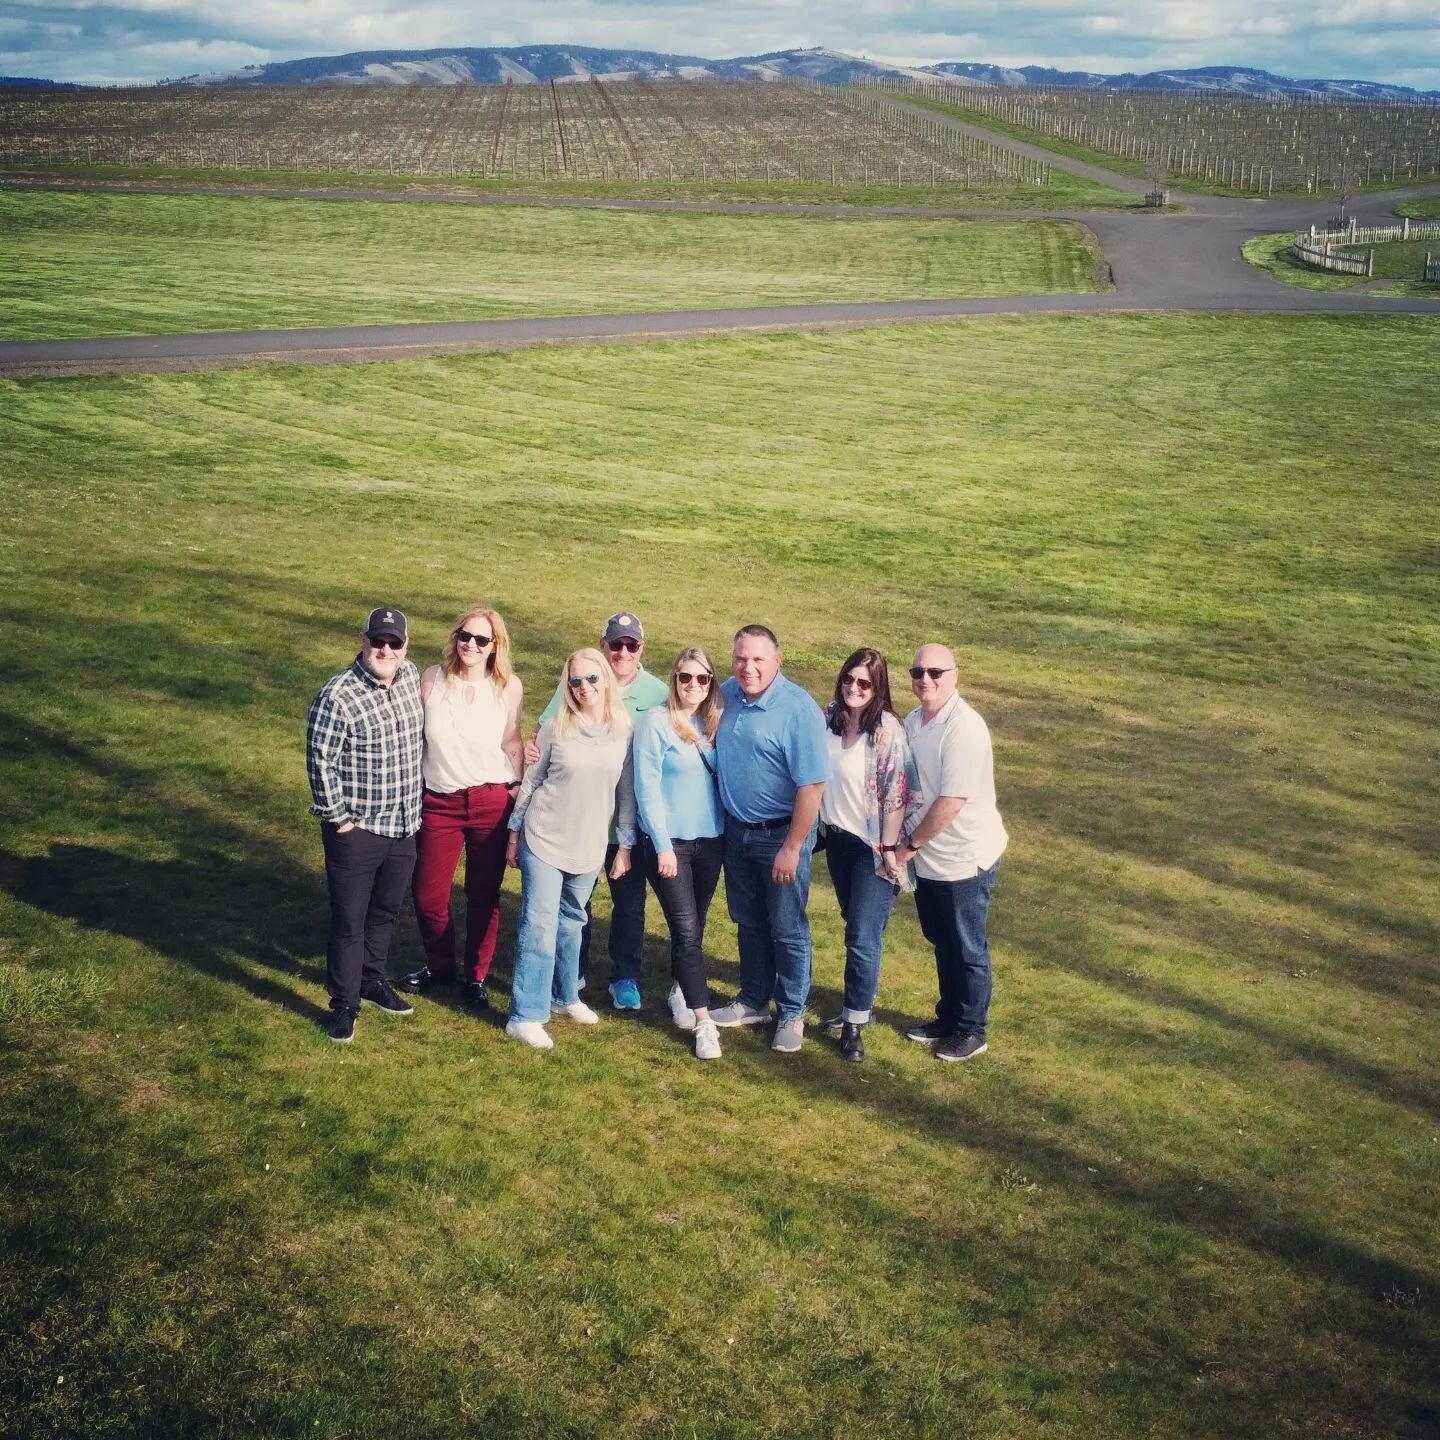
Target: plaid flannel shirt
[{"x": 362, "y": 750}]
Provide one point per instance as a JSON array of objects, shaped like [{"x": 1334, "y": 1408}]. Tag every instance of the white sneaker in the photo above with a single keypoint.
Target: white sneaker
[
  {"x": 737, "y": 1012},
  {"x": 707, "y": 1040},
  {"x": 579, "y": 1012},
  {"x": 680, "y": 1012},
  {"x": 532, "y": 1032}
]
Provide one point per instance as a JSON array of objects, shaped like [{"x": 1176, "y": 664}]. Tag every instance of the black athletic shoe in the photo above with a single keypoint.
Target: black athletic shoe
[
  {"x": 929, "y": 1034},
  {"x": 833, "y": 1024},
  {"x": 962, "y": 1047},
  {"x": 477, "y": 997},
  {"x": 417, "y": 982},
  {"x": 341, "y": 1025},
  {"x": 382, "y": 997}
]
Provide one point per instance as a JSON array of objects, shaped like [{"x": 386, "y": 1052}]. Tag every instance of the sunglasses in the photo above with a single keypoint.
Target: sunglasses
[
  {"x": 685, "y": 678},
  {"x": 576, "y": 681},
  {"x": 624, "y": 643},
  {"x": 464, "y": 637},
  {"x": 855, "y": 682},
  {"x": 384, "y": 642},
  {"x": 919, "y": 672}
]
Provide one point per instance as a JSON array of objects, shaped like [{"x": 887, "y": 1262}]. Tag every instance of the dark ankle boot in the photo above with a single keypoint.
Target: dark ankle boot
[{"x": 852, "y": 1042}]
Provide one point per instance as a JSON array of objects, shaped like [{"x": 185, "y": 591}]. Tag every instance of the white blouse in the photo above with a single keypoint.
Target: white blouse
[{"x": 465, "y": 724}]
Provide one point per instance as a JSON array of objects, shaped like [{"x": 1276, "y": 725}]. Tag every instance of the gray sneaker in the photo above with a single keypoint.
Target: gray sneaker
[
  {"x": 707, "y": 1040},
  {"x": 788, "y": 1036},
  {"x": 737, "y": 1012},
  {"x": 961, "y": 1047}
]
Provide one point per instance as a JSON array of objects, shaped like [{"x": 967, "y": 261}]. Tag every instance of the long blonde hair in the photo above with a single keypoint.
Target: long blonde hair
[
  {"x": 497, "y": 662},
  {"x": 615, "y": 717},
  {"x": 708, "y": 711}
]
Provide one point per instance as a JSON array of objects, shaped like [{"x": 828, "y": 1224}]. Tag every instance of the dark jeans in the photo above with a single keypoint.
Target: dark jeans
[
  {"x": 774, "y": 930},
  {"x": 627, "y": 922},
  {"x": 368, "y": 876},
  {"x": 953, "y": 915},
  {"x": 685, "y": 898},
  {"x": 866, "y": 900},
  {"x": 472, "y": 821}
]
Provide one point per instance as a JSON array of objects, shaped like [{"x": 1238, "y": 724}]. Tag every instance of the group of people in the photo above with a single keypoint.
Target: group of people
[{"x": 662, "y": 785}]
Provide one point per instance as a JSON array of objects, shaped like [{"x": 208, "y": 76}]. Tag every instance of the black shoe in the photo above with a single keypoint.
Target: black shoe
[
  {"x": 382, "y": 997},
  {"x": 477, "y": 997},
  {"x": 929, "y": 1034},
  {"x": 961, "y": 1047},
  {"x": 852, "y": 1042},
  {"x": 417, "y": 982},
  {"x": 833, "y": 1025},
  {"x": 341, "y": 1025}
]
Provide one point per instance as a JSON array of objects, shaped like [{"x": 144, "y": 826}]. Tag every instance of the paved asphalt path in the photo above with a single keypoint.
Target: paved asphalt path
[{"x": 1186, "y": 261}]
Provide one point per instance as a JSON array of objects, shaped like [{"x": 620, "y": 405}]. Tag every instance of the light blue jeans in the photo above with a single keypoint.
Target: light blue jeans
[{"x": 547, "y": 948}]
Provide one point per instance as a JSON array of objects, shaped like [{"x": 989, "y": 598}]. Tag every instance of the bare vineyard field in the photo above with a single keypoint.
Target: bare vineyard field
[
  {"x": 1256, "y": 145},
  {"x": 592, "y": 131}
]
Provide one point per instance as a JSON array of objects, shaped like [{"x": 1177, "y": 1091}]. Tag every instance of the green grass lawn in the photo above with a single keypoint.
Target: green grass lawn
[
  {"x": 1426, "y": 208},
  {"x": 1190, "y": 565},
  {"x": 89, "y": 264},
  {"x": 1064, "y": 192},
  {"x": 1401, "y": 261}
]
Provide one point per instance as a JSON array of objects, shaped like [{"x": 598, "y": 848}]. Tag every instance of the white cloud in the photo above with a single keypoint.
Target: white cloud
[{"x": 1385, "y": 39}]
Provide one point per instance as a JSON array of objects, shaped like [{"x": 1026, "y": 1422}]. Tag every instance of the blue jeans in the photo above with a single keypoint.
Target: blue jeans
[
  {"x": 866, "y": 900},
  {"x": 547, "y": 947},
  {"x": 774, "y": 928},
  {"x": 953, "y": 916}
]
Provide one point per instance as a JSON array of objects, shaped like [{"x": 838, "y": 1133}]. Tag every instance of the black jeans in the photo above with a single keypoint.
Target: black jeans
[
  {"x": 627, "y": 921},
  {"x": 685, "y": 898},
  {"x": 368, "y": 876}
]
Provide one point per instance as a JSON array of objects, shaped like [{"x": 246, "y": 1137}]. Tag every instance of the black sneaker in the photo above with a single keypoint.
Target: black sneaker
[
  {"x": 382, "y": 997},
  {"x": 929, "y": 1034},
  {"x": 341, "y": 1025},
  {"x": 477, "y": 997},
  {"x": 833, "y": 1025},
  {"x": 961, "y": 1047},
  {"x": 417, "y": 982}
]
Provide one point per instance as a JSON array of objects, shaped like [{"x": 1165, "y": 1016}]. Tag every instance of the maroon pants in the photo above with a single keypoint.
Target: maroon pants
[{"x": 474, "y": 821}]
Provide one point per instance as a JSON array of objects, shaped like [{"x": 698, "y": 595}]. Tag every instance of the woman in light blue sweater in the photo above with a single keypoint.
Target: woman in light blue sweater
[
  {"x": 559, "y": 831},
  {"x": 682, "y": 842}
]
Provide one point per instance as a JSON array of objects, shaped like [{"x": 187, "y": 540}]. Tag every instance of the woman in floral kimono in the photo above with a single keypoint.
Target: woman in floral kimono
[{"x": 862, "y": 811}]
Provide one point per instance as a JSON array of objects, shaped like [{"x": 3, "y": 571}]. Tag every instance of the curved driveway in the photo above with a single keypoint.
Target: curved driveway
[{"x": 1189, "y": 261}]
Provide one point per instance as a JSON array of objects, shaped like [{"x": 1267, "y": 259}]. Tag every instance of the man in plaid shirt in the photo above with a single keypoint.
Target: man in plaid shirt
[{"x": 362, "y": 750}]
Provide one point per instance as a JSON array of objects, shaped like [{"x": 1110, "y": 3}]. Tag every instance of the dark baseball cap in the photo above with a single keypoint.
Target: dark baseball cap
[
  {"x": 624, "y": 625},
  {"x": 385, "y": 620}
]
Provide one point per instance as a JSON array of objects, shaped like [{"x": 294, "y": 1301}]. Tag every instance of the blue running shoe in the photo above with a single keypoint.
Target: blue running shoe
[{"x": 625, "y": 995}]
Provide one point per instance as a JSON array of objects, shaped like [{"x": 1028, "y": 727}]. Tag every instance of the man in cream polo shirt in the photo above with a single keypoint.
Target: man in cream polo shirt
[{"x": 956, "y": 846}]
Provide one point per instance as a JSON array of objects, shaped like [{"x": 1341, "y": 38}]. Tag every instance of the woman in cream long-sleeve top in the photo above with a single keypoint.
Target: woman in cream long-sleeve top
[{"x": 559, "y": 832}]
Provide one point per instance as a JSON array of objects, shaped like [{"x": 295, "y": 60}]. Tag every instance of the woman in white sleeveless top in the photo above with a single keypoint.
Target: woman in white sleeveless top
[{"x": 472, "y": 769}]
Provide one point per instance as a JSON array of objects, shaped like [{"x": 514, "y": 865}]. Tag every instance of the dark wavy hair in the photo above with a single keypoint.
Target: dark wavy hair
[{"x": 879, "y": 702}]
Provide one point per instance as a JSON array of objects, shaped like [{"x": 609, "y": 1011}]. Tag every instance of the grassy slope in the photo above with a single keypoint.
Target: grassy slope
[
  {"x": 1192, "y": 568},
  {"x": 126, "y": 264},
  {"x": 1123, "y": 165},
  {"x": 1400, "y": 261},
  {"x": 1065, "y": 192}
]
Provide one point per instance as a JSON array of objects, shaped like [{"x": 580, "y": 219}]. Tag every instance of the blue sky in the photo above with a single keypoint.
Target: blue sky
[{"x": 1392, "y": 40}]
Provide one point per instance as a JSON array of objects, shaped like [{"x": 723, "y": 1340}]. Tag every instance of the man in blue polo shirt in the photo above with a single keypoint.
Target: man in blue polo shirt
[{"x": 771, "y": 764}]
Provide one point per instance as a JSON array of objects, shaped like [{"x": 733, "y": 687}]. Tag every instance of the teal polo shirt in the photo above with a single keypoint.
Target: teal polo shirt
[{"x": 767, "y": 749}]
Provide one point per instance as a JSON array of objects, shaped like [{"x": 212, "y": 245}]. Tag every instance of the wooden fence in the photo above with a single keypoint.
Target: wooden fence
[
  {"x": 1356, "y": 234},
  {"x": 1318, "y": 255}
]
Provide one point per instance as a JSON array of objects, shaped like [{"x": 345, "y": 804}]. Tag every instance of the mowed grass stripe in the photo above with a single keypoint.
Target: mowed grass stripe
[
  {"x": 1187, "y": 1193},
  {"x": 141, "y": 265}
]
